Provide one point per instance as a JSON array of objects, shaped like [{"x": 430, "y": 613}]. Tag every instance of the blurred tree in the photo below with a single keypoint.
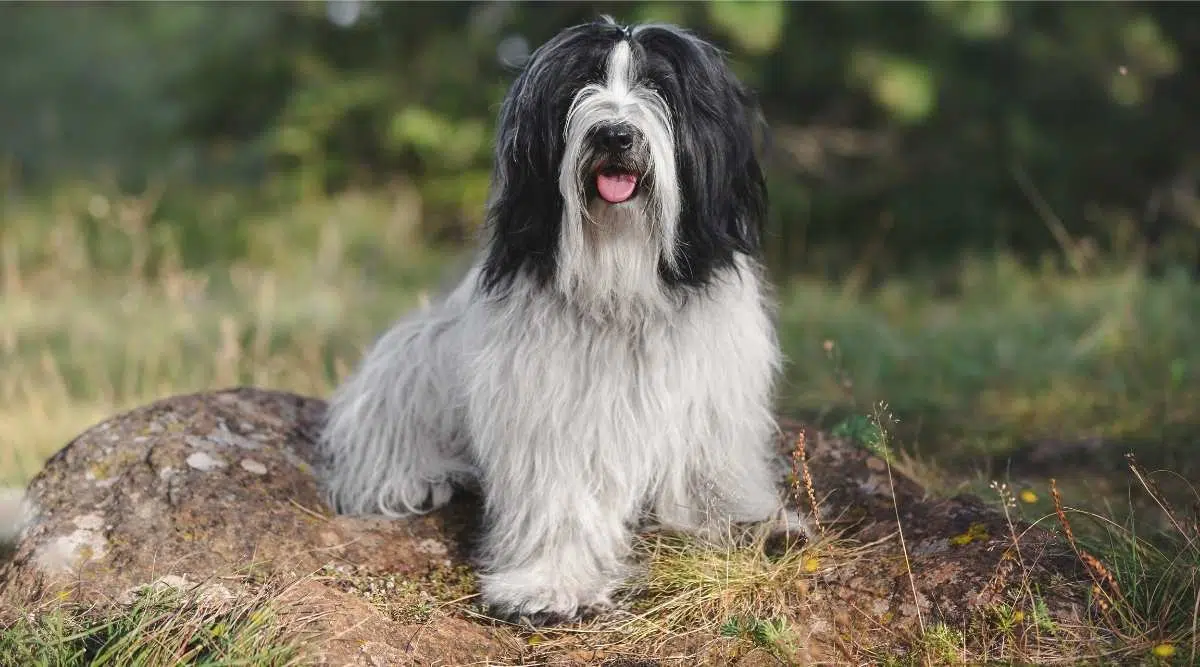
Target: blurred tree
[{"x": 904, "y": 133}]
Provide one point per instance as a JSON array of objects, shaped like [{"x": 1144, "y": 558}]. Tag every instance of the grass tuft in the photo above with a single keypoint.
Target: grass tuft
[
  {"x": 160, "y": 627},
  {"x": 690, "y": 584},
  {"x": 1147, "y": 582},
  {"x": 772, "y": 634}
]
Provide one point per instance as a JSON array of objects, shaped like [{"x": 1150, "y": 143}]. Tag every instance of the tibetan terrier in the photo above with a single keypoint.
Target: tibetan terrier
[{"x": 610, "y": 356}]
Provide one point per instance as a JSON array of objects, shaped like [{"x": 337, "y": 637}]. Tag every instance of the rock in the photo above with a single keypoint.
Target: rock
[
  {"x": 204, "y": 487},
  {"x": 253, "y": 467},
  {"x": 203, "y": 462}
]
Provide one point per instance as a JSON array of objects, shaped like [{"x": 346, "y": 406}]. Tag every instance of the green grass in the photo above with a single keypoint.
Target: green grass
[
  {"x": 1015, "y": 356},
  {"x": 105, "y": 304},
  {"x": 1150, "y": 579},
  {"x": 163, "y": 627}
]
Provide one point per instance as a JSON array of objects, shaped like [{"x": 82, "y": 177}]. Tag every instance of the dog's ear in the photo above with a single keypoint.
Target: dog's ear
[
  {"x": 725, "y": 196},
  {"x": 526, "y": 208},
  {"x": 718, "y": 126}
]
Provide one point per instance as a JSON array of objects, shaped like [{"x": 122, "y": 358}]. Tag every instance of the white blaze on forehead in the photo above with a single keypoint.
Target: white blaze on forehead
[
  {"x": 614, "y": 99},
  {"x": 620, "y": 71}
]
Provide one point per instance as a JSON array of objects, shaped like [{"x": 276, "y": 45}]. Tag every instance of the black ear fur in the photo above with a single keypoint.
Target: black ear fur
[
  {"x": 525, "y": 214},
  {"x": 716, "y": 122}
]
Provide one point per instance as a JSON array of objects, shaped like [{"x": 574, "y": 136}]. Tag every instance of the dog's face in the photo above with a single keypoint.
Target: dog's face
[
  {"x": 617, "y": 133},
  {"x": 638, "y": 126}
]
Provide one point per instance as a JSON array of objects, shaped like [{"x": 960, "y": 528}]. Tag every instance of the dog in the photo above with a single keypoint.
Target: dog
[{"x": 610, "y": 355}]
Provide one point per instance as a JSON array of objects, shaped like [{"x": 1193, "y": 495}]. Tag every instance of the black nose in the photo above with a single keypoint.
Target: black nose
[{"x": 614, "y": 137}]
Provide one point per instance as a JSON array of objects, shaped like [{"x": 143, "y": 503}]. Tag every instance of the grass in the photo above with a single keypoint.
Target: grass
[
  {"x": 159, "y": 627},
  {"x": 1145, "y": 597},
  {"x": 87, "y": 327},
  {"x": 1012, "y": 372},
  {"x": 1013, "y": 357},
  {"x": 745, "y": 592},
  {"x": 1147, "y": 583},
  {"x": 691, "y": 598}
]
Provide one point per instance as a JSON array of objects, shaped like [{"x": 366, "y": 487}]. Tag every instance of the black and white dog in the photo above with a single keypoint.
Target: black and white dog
[{"x": 611, "y": 355}]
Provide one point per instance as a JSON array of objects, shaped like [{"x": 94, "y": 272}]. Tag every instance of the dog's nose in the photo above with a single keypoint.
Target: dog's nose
[{"x": 615, "y": 137}]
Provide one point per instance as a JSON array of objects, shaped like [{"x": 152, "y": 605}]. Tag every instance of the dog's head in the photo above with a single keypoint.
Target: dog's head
[{"x": 612, "y": 130}]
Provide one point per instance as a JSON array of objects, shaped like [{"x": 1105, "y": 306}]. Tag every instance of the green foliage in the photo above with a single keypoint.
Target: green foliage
[
  {"x": 863, "y": 430},
  {"x": 772, "y": 634},
  {"x": 898, "y": 126},
  {"x": 1011, "y": 618},
  {"x": 756, "y": 27},
  {"x": 904, "y": 88},
  {"x": 1010, "y": 360},
  {"x": 940, "y": 644}
]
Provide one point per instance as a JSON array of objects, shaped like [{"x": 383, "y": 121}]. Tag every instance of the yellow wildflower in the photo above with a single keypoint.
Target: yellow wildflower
[{"x": 1164, "y": 650}]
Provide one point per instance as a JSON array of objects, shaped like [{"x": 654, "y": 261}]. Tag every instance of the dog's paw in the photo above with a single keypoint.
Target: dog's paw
[
  {"x": 525, "y": 600},
  {"x": 523, "y": 614},
  {"x": 398, "y": 500},
  {"x": 417, "y": 498},
  {"x": 547, "y": 618}
]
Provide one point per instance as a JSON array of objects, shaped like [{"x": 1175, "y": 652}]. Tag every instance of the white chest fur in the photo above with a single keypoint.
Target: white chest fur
[{"x": 636, "y": 410}]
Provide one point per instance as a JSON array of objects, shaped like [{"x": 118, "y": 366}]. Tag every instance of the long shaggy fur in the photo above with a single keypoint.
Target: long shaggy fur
[{"x": 600, "y": 363}]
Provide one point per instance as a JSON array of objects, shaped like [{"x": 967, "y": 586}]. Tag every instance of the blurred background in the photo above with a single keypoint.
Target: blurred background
[{"x": 984, "y": 215}]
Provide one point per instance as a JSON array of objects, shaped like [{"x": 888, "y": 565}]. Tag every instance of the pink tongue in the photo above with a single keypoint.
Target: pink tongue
[{"x": 616, "y": 188}]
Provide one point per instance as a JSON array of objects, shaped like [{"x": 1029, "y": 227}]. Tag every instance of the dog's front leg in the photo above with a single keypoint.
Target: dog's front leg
[{"x": 553, "y": 549}]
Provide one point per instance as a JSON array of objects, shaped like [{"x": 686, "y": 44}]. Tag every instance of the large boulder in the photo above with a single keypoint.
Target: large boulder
[{"x": 215, "y": 492}]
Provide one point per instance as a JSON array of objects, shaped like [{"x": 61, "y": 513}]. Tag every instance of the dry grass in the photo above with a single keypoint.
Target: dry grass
[
  {"x": 161, "y": 626},
  {"x": 710, "y": 590},
  {"x": 83, "y": 336}
]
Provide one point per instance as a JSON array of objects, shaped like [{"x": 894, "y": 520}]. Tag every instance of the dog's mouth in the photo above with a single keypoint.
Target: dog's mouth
[{"x": 616, "y": 184}]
